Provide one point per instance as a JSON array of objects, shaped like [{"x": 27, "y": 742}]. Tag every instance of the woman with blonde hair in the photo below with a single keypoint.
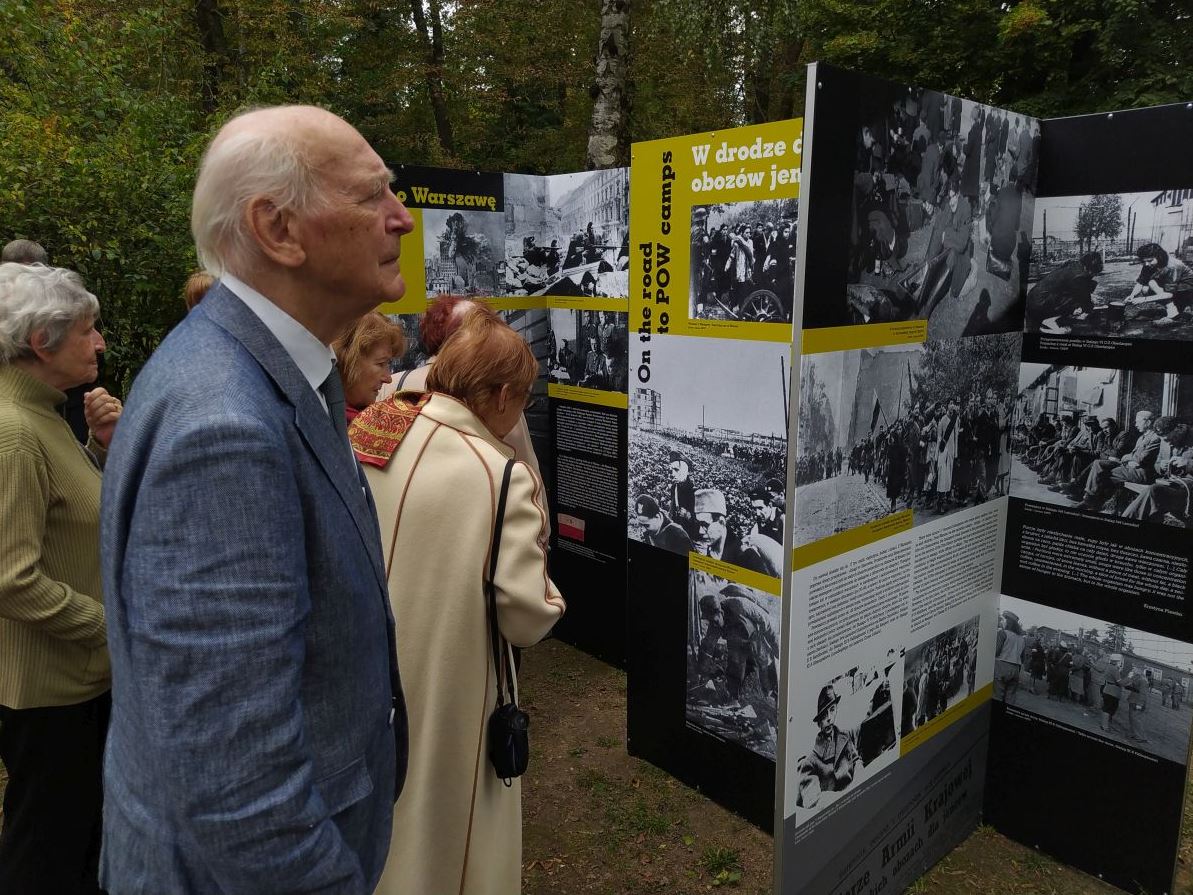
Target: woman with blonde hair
[
  {"x": 436, "y": 463},
  {"x": 363, "y": 355}
]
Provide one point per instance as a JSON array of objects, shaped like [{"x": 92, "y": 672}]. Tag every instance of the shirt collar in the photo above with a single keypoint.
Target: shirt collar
[{"x": 313, "y": 359}]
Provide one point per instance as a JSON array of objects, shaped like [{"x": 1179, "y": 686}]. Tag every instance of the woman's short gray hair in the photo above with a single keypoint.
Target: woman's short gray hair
[
  {"x": 236, "y": 168},
  {"x": 35, "y": 298}
]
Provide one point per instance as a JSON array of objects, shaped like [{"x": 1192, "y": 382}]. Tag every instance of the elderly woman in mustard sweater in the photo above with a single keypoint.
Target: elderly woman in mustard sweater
[
  {"x": 435, "y": 462},
  {"x": 54, "y": 677}
]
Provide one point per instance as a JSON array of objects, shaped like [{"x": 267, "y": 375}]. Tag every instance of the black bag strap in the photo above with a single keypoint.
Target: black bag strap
[
  {"x": 402, "y": 380},
  {"x": 491, "y": 590}
]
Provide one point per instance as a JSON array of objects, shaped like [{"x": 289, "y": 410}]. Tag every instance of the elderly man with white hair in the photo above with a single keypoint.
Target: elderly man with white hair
[
  {"x": 258, "y": 734},
  {"x": 54, "y": 679}
]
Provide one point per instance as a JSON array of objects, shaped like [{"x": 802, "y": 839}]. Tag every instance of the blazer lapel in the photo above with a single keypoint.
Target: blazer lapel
[{"x": 331, "y": 451}]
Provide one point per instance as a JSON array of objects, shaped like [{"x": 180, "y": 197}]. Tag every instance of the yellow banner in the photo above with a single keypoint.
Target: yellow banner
[
  {"x": 588, "y": 303},
  {"x": 588, "y": 395},
  {"x": 921, "y": 735},
  {"x": 411, "y": 264},
  {"x": 712, "y": 232},
  {"x": 843, "y": 542},
  {"x": 701, "y": 563},
  {"x": 872, "y": 335}
]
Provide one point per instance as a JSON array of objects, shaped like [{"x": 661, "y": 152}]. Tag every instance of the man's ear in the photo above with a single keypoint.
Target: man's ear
[{"x": 275, "y": 232}]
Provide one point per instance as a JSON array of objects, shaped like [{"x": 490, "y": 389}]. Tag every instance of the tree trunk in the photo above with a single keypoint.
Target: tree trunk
[
  {"x": 608, "y": 143},
  {"x": 432, "y": 42},
  {"x": 210, "y": 21}
]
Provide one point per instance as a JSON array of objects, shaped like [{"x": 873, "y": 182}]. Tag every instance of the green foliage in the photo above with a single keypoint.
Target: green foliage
[
  {"x": 723, "y": 865},
  {"x": 105, "y": 105}
]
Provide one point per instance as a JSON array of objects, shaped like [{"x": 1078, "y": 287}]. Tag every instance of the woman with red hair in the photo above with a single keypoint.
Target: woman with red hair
[{"x": 436, "y": 461}]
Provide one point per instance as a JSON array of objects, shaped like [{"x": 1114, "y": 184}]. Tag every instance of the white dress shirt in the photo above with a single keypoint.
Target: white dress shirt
[{"x": 313, "y": 359}]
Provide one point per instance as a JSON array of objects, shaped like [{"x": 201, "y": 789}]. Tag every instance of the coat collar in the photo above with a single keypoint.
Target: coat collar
[
  {"x": 225, "y": 310},
  {"x": 455, "y": 413}
]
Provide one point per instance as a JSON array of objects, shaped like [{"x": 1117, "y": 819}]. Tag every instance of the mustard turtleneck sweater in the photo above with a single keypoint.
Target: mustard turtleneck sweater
[{"x": 53, "y": 643}]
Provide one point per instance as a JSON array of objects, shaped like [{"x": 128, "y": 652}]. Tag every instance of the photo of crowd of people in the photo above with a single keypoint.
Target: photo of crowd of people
[
  {"x": 924, "y": 427},
  {"x": 1118, "y": 683},
  {"x": 588, "y": 349},
  {"x": 1113, "y": 264},
  {"x": 1095, "y": 439},
  {"x": 462, "y": 251},
  {"x": 943, "y": 190},
  {"x": 743, "y": 261},
  {"x": 851, "y": 736},
  {"x": 707, "y": 458},
  {"x": 567, "y": 234},
  {"x": 733, "y": 661},
  {"x": 938, "y": 674}
]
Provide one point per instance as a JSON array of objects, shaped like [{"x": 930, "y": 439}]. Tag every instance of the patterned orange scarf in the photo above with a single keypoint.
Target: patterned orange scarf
[{"x": 379, "y": 428}]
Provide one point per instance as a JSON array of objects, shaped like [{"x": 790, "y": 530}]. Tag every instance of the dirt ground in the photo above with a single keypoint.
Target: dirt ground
[{"x": 596, "y": 820}]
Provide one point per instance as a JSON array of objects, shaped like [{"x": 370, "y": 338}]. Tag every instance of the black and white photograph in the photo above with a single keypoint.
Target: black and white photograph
[
  {"x": 534, "y": 327},
  {"x": 943, "y": 192},
  {"x": 923, "y": 427},
  {"x": 1113, "y": 264},
  {"x": 938, "y": 674},
  {"x": 1112, "y": 442},
  {"x": 462, "y": 251},
  {"x": 851, "y": 734},
  {"x": 743, "y": 261},
  {"x": 415, "y": 355},
  {"x": 733, "y": 661},
  {"x": 567, "y": 234},
  {"x": 1118, "y": 683},
  {"x": 708, "y": 446},
  {"x": 588, "y": 349}
]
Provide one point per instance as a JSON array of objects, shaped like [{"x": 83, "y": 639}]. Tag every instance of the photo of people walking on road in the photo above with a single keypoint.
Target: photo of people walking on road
[
  {"x": 1118, "y": 264},
  {"x": 742, "y": 258},
  {"x": 943, "y": 191},
  {"x": 1095, "y": 439},
  {"x": 733, "y": 661},
  {"x": 922, "y": 427},
  {"x": 1120, "y": 684}
]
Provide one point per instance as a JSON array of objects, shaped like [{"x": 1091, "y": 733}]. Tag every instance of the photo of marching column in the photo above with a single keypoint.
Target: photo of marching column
[
  {"x": 1121, "y": 684},
  {"x": 462, "y": 251},
  {"x": 924, "y": 427},
  {"x": 588, "y": 349},
  {"x": 1099, "y": 440},
  {"x": 707, "y": 458},
  {"x": 1113, "y": 264},
  {"x": 733, "y": 661},
  {"x": 943, "y": 190},
  {"x": 743, "y": 261},
  {"x": 938, "y": 674},
  {"x": 851, "y": 736},
  {"x": 567, "y": 234}
]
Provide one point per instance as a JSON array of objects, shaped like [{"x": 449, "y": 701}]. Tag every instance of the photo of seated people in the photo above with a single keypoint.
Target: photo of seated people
[
  {"x": 1099, "y": 442},
  {"x": 943, "y": 191},
  {"x": 1117, "y": 264}
]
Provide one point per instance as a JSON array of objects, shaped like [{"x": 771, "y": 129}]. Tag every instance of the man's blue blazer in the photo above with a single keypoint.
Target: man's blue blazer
[{"x": 258, "y": 732}]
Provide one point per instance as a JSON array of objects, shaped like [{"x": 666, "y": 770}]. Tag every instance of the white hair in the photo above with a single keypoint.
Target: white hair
[
  {"x": 239, "y": 167},
  {"x": 35, "y": 298}
]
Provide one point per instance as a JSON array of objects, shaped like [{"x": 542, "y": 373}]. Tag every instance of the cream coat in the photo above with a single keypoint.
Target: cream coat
[{"x": 457, "y": 828}]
